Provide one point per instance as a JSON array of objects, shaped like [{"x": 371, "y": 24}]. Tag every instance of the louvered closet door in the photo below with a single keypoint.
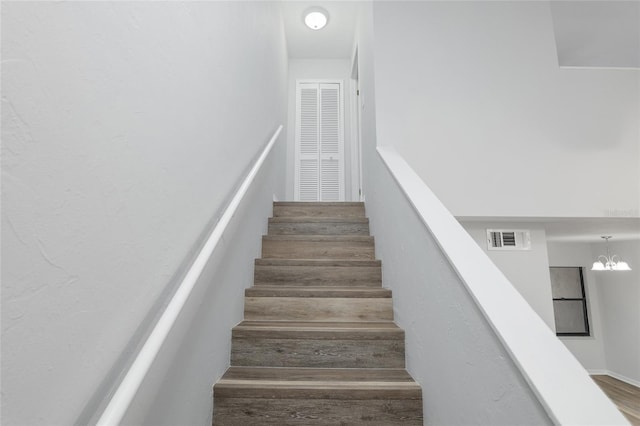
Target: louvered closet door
[
  {"x": 307, "y": 143},
  {"x": 319, "y": 143}
]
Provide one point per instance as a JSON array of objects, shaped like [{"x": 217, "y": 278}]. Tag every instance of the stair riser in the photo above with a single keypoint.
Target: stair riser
[
  {"x": 264, "y": 411},
  {"x": 312, "y": 228},
  {"x": 318, "y": 211},
  {"x": 323, "y": 353},
  {"x": 295, "y": 249},
  {"x": 317, "y": 309},
  {"x": 341, "y": 276}
]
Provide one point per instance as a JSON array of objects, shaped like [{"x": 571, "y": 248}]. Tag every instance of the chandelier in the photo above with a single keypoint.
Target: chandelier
[{"x": 608, "y": 262}]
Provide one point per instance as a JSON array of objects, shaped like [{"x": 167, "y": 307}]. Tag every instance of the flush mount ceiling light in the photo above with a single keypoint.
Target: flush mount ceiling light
[
  {"x": 315, "y": 18},
  {"x": 609, "y": 263}
]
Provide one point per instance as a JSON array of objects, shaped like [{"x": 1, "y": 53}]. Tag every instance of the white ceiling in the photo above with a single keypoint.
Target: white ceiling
[
  {"x": 335, "y": 41},
  {"x": 583, "y": 230},
  {"x": 590, "y": 230}
]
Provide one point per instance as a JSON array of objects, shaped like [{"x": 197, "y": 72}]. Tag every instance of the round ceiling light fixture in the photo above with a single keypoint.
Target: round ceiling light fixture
[{"x": 315, "y": 18}]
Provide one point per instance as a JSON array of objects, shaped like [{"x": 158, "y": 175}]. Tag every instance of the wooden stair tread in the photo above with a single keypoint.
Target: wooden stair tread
[
  {"x": 318, "y": 247},
  {"x": 325, "y": 383},
  {"x": 322, "y": 374},
  {"x": 320, "y": 238},
  {"x": 323, "y": 219},
  {"x": 318, "y": 225},
  {"x": 297, "y": 390},
  {"x": 321, "y": 325},
  {"x": 318, "y": 203},
  {"x": 296, "y": 209},
  {"x": 309, "y": 291},
  {"x": 319, "y": 262},
  {"x": 318, "y": 390},
  {"x": 316, "y": 330}
]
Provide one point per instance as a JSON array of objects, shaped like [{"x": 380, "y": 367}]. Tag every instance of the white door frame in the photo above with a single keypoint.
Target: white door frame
[
  {"x": 356, "y": 131},
  {"x": 296, "y": 176}
]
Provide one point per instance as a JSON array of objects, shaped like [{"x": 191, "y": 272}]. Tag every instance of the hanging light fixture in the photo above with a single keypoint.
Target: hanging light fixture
[
  {"x": 608, "y": 262},
  {"x": 315, "y": 18}
]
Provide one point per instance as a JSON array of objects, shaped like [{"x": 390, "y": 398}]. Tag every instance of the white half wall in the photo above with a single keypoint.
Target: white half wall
[
  {"x": 430, "y": 302},
  {"x": 126, "y": 127},
  {"x": 319, "y": 69},
  {"x": 471, "y": 94},
  {"x": 527, "y": 270},
  {"x": 620, "y": 304},
  {"x": 589, "y": 350}
]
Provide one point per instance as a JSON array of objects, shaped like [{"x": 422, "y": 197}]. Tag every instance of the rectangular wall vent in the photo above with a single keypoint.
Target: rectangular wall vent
[{"x": 508, "y": 239}]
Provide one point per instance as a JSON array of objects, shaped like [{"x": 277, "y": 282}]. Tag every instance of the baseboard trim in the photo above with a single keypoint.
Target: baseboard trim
[
  {"x": 615, "y": 376},
  {"x": 625, "y": 379}
]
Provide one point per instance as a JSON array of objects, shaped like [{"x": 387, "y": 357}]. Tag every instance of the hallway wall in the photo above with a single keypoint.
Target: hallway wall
[
  {"x": 619, "y": 294},
  {"x": 613, "y": 299},
  {"x": 589, "y": 350},
  {"x": 126, "y": 126}
]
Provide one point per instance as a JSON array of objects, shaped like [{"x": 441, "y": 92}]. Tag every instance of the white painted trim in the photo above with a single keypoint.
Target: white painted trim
[
  {"x": 560, "y": 383},
  {"x": 356, "y": 130},
  {"x": 127, "y": 389}
]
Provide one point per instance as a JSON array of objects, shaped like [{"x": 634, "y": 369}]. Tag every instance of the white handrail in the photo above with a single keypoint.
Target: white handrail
[
  {"x": 562, "y": 386},
  {"x": 127, "y": 389}
]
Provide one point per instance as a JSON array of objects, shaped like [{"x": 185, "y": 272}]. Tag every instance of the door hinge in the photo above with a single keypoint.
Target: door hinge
[{"x": 357, "y": 92}]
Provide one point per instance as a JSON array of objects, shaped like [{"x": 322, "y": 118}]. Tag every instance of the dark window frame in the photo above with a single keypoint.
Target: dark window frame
[{"x": 587, "y": 332}]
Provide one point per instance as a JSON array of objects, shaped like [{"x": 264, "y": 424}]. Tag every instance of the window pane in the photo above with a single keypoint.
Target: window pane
[
  {"x": 569, "y": 316},
  {"x": 565, "y": 283}
]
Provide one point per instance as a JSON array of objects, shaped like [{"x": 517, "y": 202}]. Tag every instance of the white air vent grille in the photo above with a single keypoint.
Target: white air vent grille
[{"x": 508, "y": 239}]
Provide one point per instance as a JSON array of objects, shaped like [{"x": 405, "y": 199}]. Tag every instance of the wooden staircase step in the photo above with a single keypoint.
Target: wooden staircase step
[
  {"x": 318, "y": 226},
  {"x": 321, "y": 412},
  {"x": 318, "y": 247},
  {"x": 330, "y": 383},
  {"x": 315, "y": 209},
  {"x": 318, "y": 344},
  {"x": 323, "y": 374},
  {"x": 310, "y": 291},
  {"x": 318, "y": 272},
  {"x": 289, "y": 308},
  {"x": 258, "y": 395}
]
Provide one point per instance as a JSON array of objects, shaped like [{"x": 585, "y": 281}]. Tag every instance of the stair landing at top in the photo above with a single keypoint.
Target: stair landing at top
[{"x": 319, "y": 209}]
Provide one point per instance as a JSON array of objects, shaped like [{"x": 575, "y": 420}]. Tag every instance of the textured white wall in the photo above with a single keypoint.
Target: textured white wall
[
  {"x": 319, "y": 69},
  {"x": 125, "y": 128},
  {"x": 588, "y": 350},
  {"x": 620, "y": 304},
  {"x": 178, "y": 388},
  {"x": 528, "y": 270},
  {"x": 470, "y": 93}
]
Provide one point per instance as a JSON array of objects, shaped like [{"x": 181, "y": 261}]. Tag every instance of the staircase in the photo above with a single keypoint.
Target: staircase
[{"x": 318, "y": 345}]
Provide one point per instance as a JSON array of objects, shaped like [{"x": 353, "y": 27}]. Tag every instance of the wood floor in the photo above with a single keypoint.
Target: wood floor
[{"x": 625, "y": 396}]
